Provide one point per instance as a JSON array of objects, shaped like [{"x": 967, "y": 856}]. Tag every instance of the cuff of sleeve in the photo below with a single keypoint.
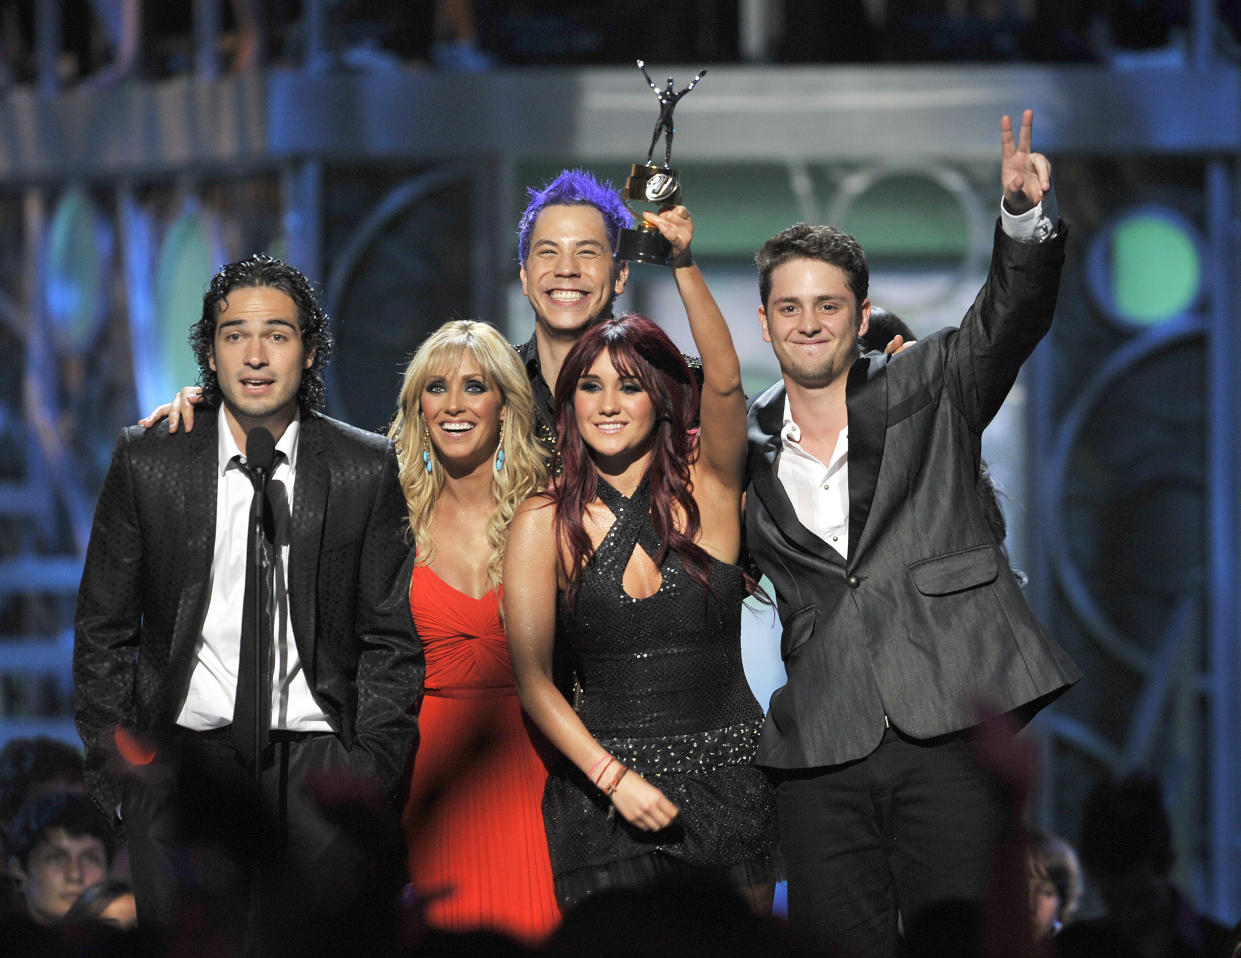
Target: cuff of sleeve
[{"x": 1035, "y": 225}]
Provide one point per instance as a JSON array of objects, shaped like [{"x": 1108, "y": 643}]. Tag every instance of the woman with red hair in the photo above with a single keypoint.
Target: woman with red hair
[{"x": 631, "y": 557}]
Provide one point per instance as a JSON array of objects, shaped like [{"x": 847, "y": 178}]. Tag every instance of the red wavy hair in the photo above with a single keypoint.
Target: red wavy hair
[{"x": 637, "y": 348}]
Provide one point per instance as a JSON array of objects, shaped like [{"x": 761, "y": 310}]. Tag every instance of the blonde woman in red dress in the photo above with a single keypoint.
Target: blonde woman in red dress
[{"x": 464, "y": 438}]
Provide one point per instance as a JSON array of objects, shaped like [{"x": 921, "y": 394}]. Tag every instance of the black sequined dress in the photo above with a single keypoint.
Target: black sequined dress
[{"x": 662, "y": 689}]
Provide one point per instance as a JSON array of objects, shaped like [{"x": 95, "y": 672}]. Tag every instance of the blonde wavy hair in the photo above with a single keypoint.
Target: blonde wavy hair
[{"x": 525, "y": 470}]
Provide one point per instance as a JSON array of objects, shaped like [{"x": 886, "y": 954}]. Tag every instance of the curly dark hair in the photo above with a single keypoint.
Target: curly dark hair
[{"x": 262, "y": 270}]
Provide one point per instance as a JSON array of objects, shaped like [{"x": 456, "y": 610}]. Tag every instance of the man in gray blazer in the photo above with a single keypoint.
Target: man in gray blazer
[
  {"x": 159, "y": 658},
  {"x": 900, "y": 618}
]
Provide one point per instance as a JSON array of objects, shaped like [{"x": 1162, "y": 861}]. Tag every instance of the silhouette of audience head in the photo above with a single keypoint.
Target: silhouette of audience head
[
  {"x": 1126, "y": 846},
  {"x": 676, "y": 916},
  {"x": 30, "y": 766}
]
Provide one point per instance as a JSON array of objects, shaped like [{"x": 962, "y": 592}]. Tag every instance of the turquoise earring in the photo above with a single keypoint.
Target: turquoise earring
[
  {"x": 426, "y": 449},
  {"x": 500, "y": 448}
]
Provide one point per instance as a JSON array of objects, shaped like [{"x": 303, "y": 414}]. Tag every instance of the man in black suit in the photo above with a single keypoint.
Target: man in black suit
[
  {"x": 158, "y": 654},
  {"x": 899, "y": 618}
]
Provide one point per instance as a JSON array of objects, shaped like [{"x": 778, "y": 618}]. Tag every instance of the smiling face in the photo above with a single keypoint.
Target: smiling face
[
  {"x": 614, "y": 412},
  {"x": 258, "y": 356},
  {"x": 57, "y": 870},
  {"x": 813, "y": 321},
  {"x": 569, "y": 275},
  {"x": 462, "y": 411}
]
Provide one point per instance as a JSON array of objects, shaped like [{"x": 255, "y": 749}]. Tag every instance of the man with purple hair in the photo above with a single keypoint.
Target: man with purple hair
[{"x": 566, "y": 248}]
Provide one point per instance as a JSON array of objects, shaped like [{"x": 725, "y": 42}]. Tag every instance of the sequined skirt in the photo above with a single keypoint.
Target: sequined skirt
[{"x": 726, "y": 823}]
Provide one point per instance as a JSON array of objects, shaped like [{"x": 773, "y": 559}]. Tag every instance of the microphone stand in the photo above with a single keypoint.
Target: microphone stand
[{"x": 260, "y": 466}]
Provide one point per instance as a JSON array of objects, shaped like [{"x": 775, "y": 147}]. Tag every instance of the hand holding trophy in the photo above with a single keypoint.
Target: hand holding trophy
[{"x": 653, "y": 184}]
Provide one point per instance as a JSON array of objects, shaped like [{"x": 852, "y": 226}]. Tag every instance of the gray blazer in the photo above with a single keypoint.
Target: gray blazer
[{"x": 922, "y": 622}]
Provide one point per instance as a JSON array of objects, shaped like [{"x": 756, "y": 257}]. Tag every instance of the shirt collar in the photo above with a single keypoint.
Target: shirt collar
[
  {"x": 790, "y": 431},
  {"x": 529, "y": 352},
  {"x": 228, "y": 449}
]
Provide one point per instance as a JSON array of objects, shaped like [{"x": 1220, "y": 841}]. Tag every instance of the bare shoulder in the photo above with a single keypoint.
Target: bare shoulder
[{"x": 533, "y": 516}]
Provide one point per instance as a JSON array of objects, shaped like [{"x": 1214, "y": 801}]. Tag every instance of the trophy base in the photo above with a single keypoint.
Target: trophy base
[{"x": 643, "y": 246}]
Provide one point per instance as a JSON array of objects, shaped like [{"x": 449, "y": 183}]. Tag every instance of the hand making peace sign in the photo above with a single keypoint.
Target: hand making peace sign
[{"x": 1025, "y": 176}]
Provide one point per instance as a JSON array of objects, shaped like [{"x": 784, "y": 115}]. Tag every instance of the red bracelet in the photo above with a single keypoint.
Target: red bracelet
[
  {"x": 602, "y": 758},
  {"x": 611, "y": 789},
  {"x": 604, "y": 771}
]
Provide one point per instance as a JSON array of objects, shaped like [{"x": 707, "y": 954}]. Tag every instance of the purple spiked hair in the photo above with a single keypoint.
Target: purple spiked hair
[{"x": 573, "y": 188}]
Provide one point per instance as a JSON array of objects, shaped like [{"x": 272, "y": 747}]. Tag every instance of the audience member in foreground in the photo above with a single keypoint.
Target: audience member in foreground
[
  {"x": 59, "y": 845},
  {"x": 1125, "y": 843}
]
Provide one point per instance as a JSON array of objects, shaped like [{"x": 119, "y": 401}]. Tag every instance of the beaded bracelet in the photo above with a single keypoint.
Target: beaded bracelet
[{"x": 611, "y": 789}]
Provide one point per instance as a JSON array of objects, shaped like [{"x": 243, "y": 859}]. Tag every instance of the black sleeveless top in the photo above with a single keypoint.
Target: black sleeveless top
[{"x": 663, "y": 690}]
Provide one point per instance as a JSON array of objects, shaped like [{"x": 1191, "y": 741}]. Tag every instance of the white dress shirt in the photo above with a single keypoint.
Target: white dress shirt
[
  {"x": 213, "y": 683},
  {"x": 820, "y": 493}
]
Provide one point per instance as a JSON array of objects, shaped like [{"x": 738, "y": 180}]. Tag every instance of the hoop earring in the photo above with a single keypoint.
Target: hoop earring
[
  {"x": 426, "y": 448},
  {"x": 500, "y": 448}
]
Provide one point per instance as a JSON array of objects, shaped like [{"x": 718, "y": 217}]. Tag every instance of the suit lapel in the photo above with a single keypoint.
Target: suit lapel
[
  {"x": 866, "y": 396},
  {"x": 766, "y": 421},
  {"x": 306, "y": 532}
]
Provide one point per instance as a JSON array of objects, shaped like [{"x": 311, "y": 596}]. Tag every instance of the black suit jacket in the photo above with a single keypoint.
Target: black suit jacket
[
  {"x": 923, "y": 621},
  {"x": 146, "y": 583}
]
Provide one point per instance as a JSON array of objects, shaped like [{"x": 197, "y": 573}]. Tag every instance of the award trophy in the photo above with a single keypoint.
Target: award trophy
[{"x": 657, "y": 185}]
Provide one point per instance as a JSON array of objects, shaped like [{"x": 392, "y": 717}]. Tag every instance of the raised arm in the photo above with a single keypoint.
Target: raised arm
[
  {"x": 1014, "y": 309},
  {"x": 649, "y": 81},
  {"x": 722, "y": 444},
  {"x": 692, "y": 83},
  {"x": 530, "y": 586}
]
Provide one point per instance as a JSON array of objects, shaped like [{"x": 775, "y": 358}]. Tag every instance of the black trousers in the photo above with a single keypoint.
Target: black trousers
[
  {"x": 910, "y": 825},
  {"x": 203, "y": 844}
]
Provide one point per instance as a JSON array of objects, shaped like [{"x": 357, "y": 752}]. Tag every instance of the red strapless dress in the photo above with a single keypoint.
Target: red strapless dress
[{"x": 474, "y": 821}]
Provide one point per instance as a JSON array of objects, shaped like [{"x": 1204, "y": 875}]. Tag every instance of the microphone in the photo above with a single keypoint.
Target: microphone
[{"x": 260, "y": 450}]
